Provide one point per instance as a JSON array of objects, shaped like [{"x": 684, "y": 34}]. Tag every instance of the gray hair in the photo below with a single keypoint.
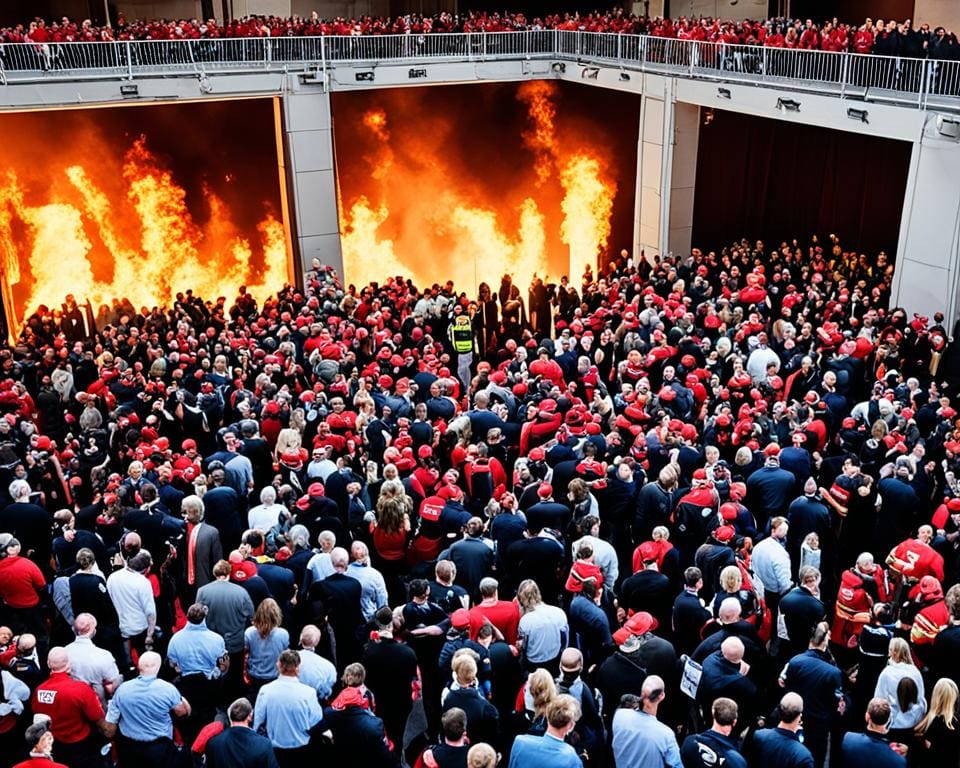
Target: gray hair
[
  {"x": 19, "y": 489},
  {"x": 268, "y": 495},
  {"x": 193, "y": 502},
  {"x": 299, "y": 536}
]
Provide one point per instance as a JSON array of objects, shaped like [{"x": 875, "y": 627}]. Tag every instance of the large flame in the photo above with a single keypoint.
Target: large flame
[
  {"x": 422, "y": 216},
  {"x": 102, "y": 235}
]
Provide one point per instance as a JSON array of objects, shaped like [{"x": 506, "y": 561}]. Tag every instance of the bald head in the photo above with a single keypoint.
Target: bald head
[
  {"x": 58, "y": 660},
  {"x": 85, "y": 625},
  {"x": 653, "y": 688},
  {"x": 310, "y": 636},
  {"x": 730, "y": 611},
  {"x": 732, "y": 649},
  {"x": 339, "y": 559},
  {"x": 149, "y": 663},
  {"x": 791, "y": 708},
  {"x": 571, "y": 660}
]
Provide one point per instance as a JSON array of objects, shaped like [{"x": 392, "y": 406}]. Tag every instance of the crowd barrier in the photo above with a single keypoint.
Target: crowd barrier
[{"x": 918, "y": 82}]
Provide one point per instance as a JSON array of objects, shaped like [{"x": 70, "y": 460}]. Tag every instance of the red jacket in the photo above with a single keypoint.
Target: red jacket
[{"x": 20, "y": 582}]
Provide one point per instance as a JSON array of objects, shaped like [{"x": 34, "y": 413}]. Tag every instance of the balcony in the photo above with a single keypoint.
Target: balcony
[{"x": 914, "y": 83}]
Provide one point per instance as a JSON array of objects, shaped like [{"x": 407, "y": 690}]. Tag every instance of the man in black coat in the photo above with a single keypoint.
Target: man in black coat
[
  {"x": 689, "y": 613},
  {"x": 802, "y": 610},
  {"x": 239, "y": 746},
  {"x": 648, "y": 589},
  {"x": 29, "y": 523},
  {"x": 391, "y": 670},
  {"x": 547, "y": 513},
  {"x": 473, "y": 556},
  {"x": 725, "y": 675},
  {"x": 338, "y": 598},
  {"x": 359, "y": 737},
  {"x": 730, "y": 624}
]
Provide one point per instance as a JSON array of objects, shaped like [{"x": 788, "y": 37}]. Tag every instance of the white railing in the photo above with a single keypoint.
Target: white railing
[{"x": 882, "y": 78}]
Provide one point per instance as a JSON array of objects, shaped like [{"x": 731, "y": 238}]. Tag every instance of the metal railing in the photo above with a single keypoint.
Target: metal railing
[{"x": 919, "y": 82}]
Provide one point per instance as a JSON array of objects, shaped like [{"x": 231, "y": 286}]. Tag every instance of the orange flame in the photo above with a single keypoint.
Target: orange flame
[
  {"x": 143, "y": 245},
  {"x": 421, "y": 218}
]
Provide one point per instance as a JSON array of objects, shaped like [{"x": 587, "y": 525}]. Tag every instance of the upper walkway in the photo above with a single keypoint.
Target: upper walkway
[{"x": 916, "y": 83}]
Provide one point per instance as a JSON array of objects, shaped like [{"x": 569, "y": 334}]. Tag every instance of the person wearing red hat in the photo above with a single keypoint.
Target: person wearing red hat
[
  {"x": 648, "y": 589},
  {"x": 771, "y": 488},
  {"x": 547, "y": 513}
]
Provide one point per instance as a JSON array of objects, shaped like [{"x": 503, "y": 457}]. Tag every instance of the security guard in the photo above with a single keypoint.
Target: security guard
[{"x": 461, "y": 335}]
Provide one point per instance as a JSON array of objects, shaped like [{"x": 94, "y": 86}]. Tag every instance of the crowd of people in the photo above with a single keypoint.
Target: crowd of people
[
  {"x": 885, "y": 37},
  {"x": 689, "y": 511}
]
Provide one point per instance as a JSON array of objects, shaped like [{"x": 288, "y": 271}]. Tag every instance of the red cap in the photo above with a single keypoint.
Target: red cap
[
  {"x": 728, "y": 512},
  {"x": 425, "y": 451},
  {"x": 700, "y": 474},
  {"x": 460, "y": 618},
  {"x": 545, "y": 490},
  {"x": 189, "y": 445},
  {"x": 724, "y": 533},
  {"x": 43, "y": 443},
  {"x": 537, "y": 454},
  {"x": 953, "y": 505},
  {"x": 772, "y": 450},
  {"x": 315, "y": 489}
]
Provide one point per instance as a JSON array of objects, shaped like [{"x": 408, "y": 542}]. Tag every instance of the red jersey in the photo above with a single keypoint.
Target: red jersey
[
  {"x": 504, "y": 615},
  {"x": 73, "y": 707},
  {"x": 20, "y": 582}
]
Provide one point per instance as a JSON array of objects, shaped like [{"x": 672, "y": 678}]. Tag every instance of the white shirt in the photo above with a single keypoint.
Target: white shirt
[
  {"x": 321, "y": 470},
  {"x": 264, "y": 518},
  {"x": 771, "y": 563},
  {"x": 92, "y": 665},
  {"x": 320, "y": 566},
  {"x": 132, "y": 596}
]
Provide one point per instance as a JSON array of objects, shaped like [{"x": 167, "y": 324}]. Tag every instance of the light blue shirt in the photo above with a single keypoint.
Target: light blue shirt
[
  {"x": 641, "y": 739},
  {"x": 196, "y": 650},
  {"x": 542, "y": 752},
  {"x": 544, "y": 632},
  {"x": 263, "y": 652},
  {"x": 286, "y": 710},
  {"x": 374, "y": 589},
  {"x": 141, "y": 708},
  {"x": 317, "y": 672}
]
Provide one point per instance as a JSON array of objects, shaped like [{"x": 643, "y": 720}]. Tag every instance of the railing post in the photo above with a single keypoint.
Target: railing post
[
  {"x": 844, "y": 74},
  {"x": 619, "y": 49},
  {"x": 643, "y": 52},
  {"x": 483, "y": 51},
  {"x": 763, "y": 66},
  {"x": 694, "y": 54},
  {"x": 129, "y": 61},
  {"x": 924, "y": 75},
  {"x": 323, "y": 55}
]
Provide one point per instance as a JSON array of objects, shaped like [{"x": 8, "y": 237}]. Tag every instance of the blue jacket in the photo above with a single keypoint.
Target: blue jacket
[
  {"x": 869, "y": 750},
  {"x": 240, "y": 747},
  {"x": 818, "y": 680},
  {"x": 779, "y": 748},
  {"x": 707, "y": 749}
]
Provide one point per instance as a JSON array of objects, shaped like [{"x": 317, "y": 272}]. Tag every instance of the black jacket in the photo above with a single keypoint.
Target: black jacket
[
  {"x": 358, "y": 737},
  {"x": 239, "y": 747}
]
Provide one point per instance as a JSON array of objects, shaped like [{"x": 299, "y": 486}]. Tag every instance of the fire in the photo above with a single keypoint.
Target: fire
[
  {"x": 425, "y": 217},
  {"x": 128, "y": 231}
]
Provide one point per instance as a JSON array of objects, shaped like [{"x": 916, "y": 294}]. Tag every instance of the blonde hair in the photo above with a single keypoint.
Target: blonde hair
[
  {"x": 943, "y": 703},
  {"x": 482, "y": 756},
  {"x": 288, "y": 440},
  {"x": 464, "y": 668},
  {"x": 900, "y": 651},
  {"x": 730, "y": 579},
  {"x": 528, "y": 595},
  {"x": 543, "y": 690}
]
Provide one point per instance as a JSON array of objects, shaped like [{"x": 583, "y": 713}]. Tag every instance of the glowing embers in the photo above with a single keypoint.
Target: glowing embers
[
  {"x": 103, "y": 221},
  {"x": 434, "y": 197}
]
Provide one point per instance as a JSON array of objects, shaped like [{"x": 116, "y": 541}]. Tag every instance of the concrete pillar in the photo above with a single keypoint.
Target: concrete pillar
[
  {"x": 683, "y": 176},
  {"x": 929, "y": 247},
  {"x": 655, "y": 117},
  {"x": 313, "y": 183}
]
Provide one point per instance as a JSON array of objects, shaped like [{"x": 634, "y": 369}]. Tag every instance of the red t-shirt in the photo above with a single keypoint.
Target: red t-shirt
[
  {"x": 20, "y": 582},
  {"x": 504, "y": 615},
  {"x": 72, "y": 706}
]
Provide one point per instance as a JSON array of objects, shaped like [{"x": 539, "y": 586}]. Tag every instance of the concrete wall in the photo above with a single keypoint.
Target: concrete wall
[
  {"x": 161, "y": 9},
  {"x": 937, "y": 13},
  {"x": 927, "y": 254}
]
